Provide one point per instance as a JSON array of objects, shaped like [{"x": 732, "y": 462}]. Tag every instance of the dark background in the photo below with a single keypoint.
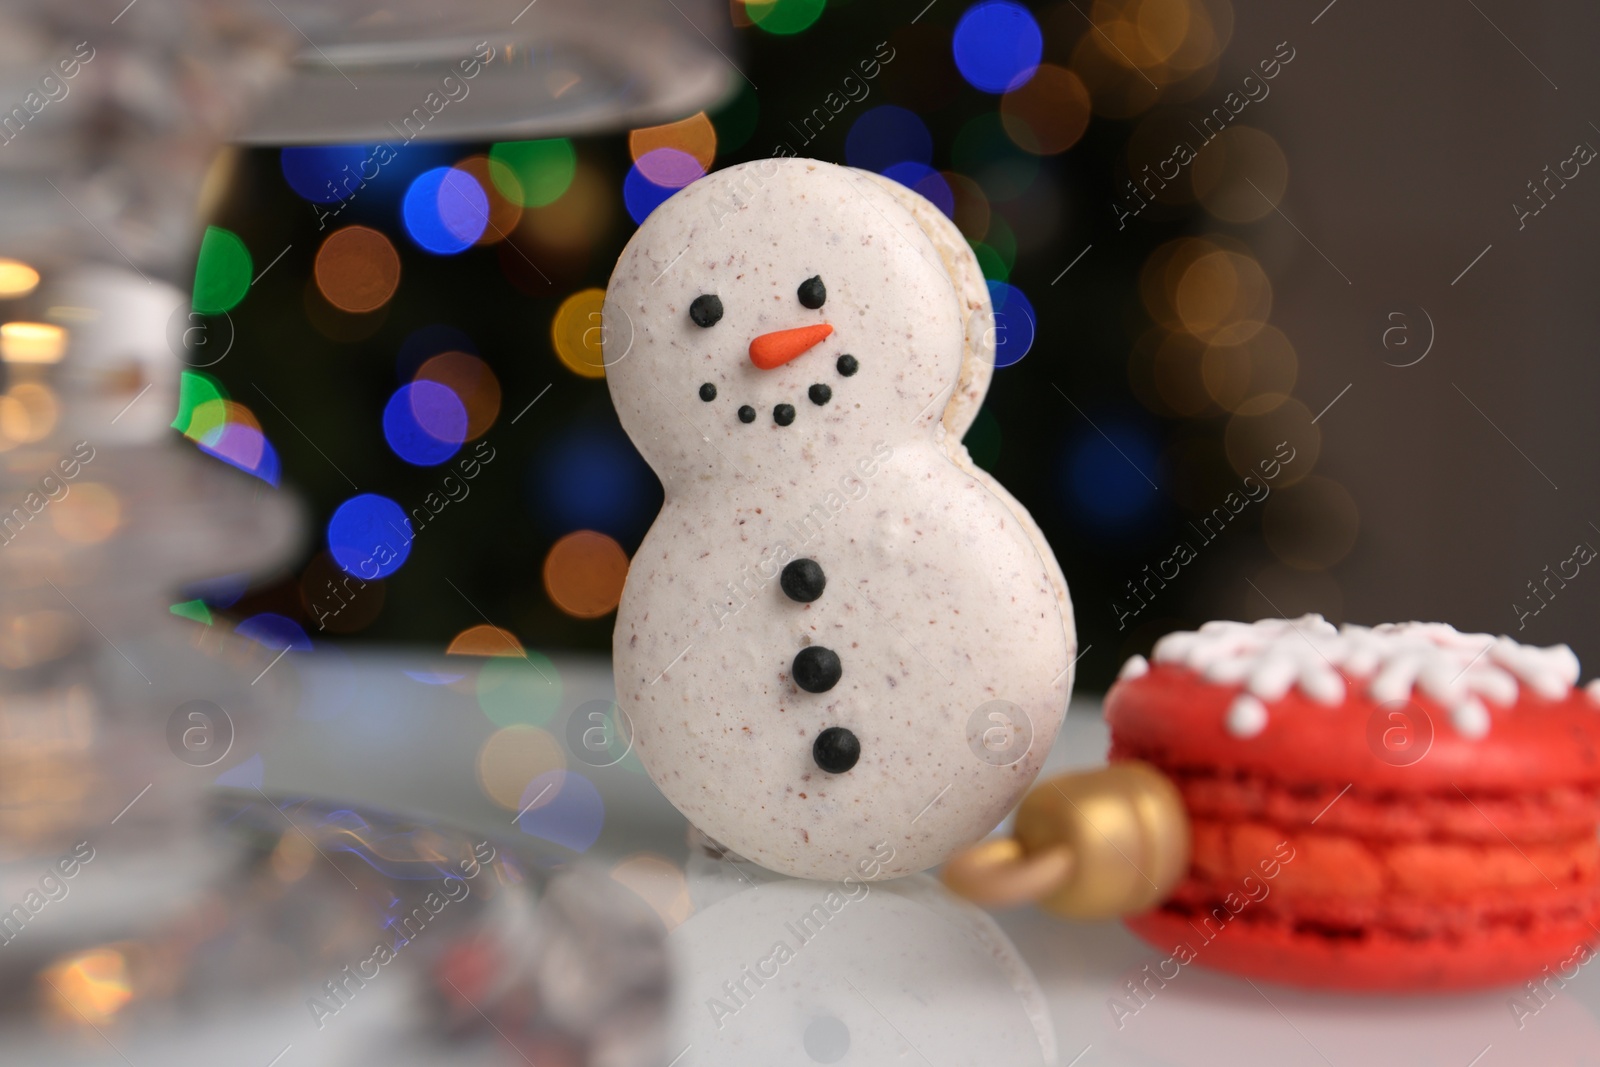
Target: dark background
[{"x": 1415, "y": 495}]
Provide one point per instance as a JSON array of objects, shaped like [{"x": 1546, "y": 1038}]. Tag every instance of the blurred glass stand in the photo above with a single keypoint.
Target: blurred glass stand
[{"x": 136, "y": 913}]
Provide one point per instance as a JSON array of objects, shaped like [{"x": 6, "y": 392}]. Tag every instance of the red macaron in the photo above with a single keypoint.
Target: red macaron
[{"x": 1403, "y": 807}]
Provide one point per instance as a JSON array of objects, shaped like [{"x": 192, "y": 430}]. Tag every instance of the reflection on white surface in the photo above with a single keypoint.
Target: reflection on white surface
[
  {"x": 960, "y": 993},
  {"x": 780, "y": 971},
  {"x": 1217, "y": 1021}
]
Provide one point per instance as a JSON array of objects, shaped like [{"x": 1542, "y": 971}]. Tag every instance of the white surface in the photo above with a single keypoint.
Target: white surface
[{"x": 369, "y": 732}]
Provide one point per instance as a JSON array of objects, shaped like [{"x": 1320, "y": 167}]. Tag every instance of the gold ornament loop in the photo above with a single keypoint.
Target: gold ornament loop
[
  {"x": 998, "y": 874},
  {"x": 1091, "y": 845}
]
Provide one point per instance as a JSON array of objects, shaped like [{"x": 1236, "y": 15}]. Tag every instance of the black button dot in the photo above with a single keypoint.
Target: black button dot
[
  {"x": 816, "y": 669},
  {"x": 747, "y": 414},
  {"x": 783, "y": 414},
  {"x": 820, "y": 394},
  {"x": 848, "y": 365},
  {"x": 708, "y": 392},
  {"x": 802, "y": 580},
  {"x": 706, "y": 310},
  {"x": 836, "y": 750},
  {"x": 812, "y": 293}
]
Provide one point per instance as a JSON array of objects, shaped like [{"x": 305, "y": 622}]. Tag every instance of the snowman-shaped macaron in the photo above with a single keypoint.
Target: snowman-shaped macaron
[{"x": 839, "y": 637}]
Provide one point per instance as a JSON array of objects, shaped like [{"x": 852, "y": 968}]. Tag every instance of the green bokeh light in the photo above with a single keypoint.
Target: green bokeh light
[
  {"x": 222, "y": 272},
  {"x": 519, "y": 690},
  {"x": 983, "y": 440},
  {"x": 197, "y": 390},
  {"x": 994, "y": 268},
  {"x": 736, "y": 120},
  {"x": 784, "y": 16},
  {"x": 192, "y": 609},
  {"x": 1003, "y": 240},
  {"x": 983, "y": 150},
  {"x": 542, "y": 170}
]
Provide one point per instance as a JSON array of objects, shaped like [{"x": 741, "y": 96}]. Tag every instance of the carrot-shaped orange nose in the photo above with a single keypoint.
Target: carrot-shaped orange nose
[{"x": 779, "y": 347}]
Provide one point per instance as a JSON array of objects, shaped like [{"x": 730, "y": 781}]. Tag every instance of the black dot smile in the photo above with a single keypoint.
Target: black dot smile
[{"x": 706, "y": 311}]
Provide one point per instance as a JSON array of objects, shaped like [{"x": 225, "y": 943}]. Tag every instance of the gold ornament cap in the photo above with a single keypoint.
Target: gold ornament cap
[{"x": 1091, "y": 845}]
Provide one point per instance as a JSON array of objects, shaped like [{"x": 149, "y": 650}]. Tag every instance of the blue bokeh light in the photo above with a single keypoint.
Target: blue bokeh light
[
  {"x": 886, "y": 135},
  {"x": 591, "y": 478},
  {"x": 369, "y": 536},
  {"x": 997, "y": 46},
  {"x": 641, "y": 195},
  {"x": 1106, "y": 475},
  {"x": 445, "y": 210},
  {"x": 323, "y": 174},
  {"x": 249, "y": 774},
  {"x": 1015, "y": 324},
  {"x": 669, "y": 167},
  {"x": 923, "y": 179},
  {"x": 245, "y": 448},
  {"x": 433, "y": 677},
  {"x": 274, "y": 631},
  {"x": 573, "y": 816},
  {"x": 425, "y": 423}
]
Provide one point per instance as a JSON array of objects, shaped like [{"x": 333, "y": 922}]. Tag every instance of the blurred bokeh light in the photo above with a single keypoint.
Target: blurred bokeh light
[
  {"x": 357, "y": 269},
  {"x": 425, "y": 423},
  {"x": 584, "y": 572},
  {"x": 473, "y": 384},
  {"x": 997, "y": 46},
  {"x": 446, "y": 211},
  {"x": 369, "y": 536}
]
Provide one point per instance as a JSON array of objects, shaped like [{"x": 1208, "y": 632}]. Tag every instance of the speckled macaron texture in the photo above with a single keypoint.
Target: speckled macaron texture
[{"x": 939, "y": 599}]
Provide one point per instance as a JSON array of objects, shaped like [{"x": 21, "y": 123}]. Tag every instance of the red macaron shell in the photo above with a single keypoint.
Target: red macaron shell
[
  {"x": 1532, "y": 814},
  {"x": 1174, "y": 718},
  {"x": 1470, "y": 863}
]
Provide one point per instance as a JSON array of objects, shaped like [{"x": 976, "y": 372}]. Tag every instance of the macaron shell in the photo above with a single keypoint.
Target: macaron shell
[
  {"x": 1457, "y": 863},
  {"x": 941, "y": 599},
  {"x": 977, "y": 369},
  {"x": 1532, "y": 814},
  {"x": 966, "y": 277},
  {"x": 1175, "y": 718}
]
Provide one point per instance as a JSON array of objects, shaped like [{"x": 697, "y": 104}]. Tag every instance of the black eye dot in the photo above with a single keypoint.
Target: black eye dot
[
  {"x": 706, "y": 310},
  {"x": 747, "y": 414},
  {"x": 820, "y": 394},
  {"x": 813, "y": 294},
  {"x": 708, "y": 392},
  {"x": 836, "y": 750},
  {"x": 783, "y": 414},
  {"x": 848, "y": 365}
]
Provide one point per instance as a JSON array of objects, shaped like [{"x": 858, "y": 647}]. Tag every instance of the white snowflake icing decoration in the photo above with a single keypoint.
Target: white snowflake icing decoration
[{"x": 1459, "y": 671}]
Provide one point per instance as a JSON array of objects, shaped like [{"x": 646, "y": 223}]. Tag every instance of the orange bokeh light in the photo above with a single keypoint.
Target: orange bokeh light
[
  {"x": 485, "y": 640},
  {"x": 473, "y": 383},
  {"x": 693, "y": 136},
  {"x": 584, "y": 573},
  {"x": 357, "y": 269},
  {"x": 504, "y": 213},
  {"x": 1048, "y": 113}
]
